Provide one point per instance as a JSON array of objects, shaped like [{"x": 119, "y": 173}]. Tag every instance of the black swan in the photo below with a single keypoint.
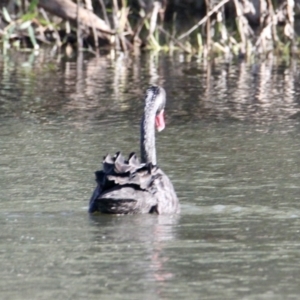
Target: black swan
[{"x": 131, "y": 187}]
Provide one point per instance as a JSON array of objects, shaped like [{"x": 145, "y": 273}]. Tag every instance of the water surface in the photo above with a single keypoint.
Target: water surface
[{"x": 231, "y": 148}]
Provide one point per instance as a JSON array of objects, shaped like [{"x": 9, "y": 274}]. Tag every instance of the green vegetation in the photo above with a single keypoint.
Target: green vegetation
[{"x": 243, "y": 28}]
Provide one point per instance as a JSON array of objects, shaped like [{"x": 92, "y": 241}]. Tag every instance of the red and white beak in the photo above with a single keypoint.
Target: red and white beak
[{"x": 160, "y": 121}]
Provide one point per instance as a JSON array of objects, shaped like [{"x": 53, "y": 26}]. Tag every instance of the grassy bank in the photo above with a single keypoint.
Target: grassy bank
[{"x": 201, "y": 27}]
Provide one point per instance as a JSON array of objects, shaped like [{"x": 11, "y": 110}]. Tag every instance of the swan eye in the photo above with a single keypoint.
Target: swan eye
[
  {"x": 156, "y": 94},
  {"x": 152, "y": 91}
]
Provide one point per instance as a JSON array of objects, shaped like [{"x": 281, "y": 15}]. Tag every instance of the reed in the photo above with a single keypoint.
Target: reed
[{"x": 227, "y": 27}]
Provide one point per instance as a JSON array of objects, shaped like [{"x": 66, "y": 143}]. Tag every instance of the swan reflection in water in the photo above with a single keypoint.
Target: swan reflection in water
[
  {"x": 136, "y": 247},
  {"x": 131, "y": 187}
]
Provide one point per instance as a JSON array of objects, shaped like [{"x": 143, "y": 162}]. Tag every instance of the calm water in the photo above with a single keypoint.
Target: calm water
[{"x": 231, "y": 148}]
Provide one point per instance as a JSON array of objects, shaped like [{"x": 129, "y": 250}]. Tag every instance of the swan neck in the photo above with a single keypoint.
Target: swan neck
[{"x": 148, "y": 151}]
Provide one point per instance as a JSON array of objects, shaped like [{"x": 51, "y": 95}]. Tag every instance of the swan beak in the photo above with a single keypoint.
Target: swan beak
[{"x": 160, "y": 121}]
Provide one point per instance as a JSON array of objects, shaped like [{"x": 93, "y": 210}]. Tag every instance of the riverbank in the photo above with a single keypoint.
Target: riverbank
[{"x": 227, "y": 28}]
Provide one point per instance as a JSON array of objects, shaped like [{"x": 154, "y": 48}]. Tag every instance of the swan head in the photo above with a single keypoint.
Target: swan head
[{"x": 155, "y": 101}]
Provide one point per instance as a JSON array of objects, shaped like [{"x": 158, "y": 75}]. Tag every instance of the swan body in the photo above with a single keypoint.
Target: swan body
[{"x": 128, "y": 186}]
